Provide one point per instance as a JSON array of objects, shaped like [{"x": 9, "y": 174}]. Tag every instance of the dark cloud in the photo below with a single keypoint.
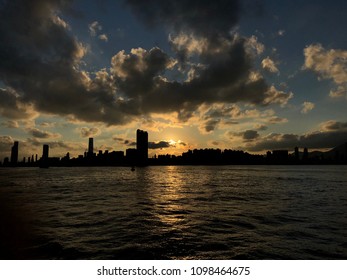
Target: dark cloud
[
  {"x": 40, "y": 61},
  {"x": 202, "y": 17},
  {"x": 158, "y": 145},
  {"x": 326, "y": 139},
  {"x": 315, "y": 140},
  {"x": 40, "y": 65},
  {"x": 215, "y": 143},
  {"x": 226, "y": 79},
  {"x": 211, "y": 125},
  {"x": 11, "y": 106},
  {"x": 247, "y": 135},
  {"x": 334, "y": 125},
  {"x": 126, "y": 142},
  {"x": 43, "y": 134},
  {"x": 250, "y": 135},
  {"x": 129, "y": 143}
]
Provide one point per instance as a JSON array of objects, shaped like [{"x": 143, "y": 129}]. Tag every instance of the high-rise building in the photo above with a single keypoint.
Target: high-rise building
[
  {"x": 90, "y": 147},
  {"x": 14, "y": 153},
  {"x": 44, "y": 161},
  {"x": 142, "y": 146},
  {"x": 45, "y": 152}
]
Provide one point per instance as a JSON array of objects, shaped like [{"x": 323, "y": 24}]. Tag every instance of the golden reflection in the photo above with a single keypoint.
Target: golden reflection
[{"x": 171, "y": 200}]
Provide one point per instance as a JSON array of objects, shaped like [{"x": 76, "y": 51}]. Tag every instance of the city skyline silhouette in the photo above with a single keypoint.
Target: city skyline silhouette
[{"x": 139, "y": 156}]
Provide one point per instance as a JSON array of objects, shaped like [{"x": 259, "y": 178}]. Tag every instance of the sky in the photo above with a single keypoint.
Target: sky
[{"x": 252, "y": 75}]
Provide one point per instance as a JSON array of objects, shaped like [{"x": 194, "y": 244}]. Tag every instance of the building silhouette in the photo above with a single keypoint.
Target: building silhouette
[
  {"x": 139, "y": 156},
  {"x": 45, "y": 152},
  {"x": 90, "y": 148},
  {"x": 14, "y": 153},
  {"x": 44, "y": 161},
  {"x": 142, "y": 147}
]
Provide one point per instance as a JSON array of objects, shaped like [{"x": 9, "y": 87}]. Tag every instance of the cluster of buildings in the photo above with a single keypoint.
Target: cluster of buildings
[
  {"x": 139, "y": 157},
  {"x": 133, "y": 156}
]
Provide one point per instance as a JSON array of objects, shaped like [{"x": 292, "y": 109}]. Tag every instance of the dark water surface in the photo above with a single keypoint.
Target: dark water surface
[{"x": 184, "y": 212}]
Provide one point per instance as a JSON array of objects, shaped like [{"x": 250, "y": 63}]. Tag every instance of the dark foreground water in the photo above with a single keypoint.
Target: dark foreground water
[{"x": 194, "y": 212}]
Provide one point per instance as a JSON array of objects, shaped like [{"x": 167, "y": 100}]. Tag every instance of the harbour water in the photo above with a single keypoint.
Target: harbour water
[{"x": 174, "y": 212}]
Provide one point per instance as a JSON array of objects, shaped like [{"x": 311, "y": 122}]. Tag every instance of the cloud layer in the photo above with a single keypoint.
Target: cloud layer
[
  {"x": 331, "y": 134},
  {"x": 41, "y": 64}
]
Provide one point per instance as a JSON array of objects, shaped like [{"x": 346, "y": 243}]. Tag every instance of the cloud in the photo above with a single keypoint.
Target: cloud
[
  {"x": 260, "y": 127},
  {"x": 209, "y": 126},
  {"x": 276, "y": 120},
  {"x": 10, "y": 124},
  {"x": 189, "y": 15},
  {"x": 158, "y": 145},
  {"x": 103, "y": 37},
  {"x": 275, "y": 141},
  {"x": 43, "y": 134},
  {"x": 328, "y": 64},
  {"x": 331, "y": 134},
  {"x": 253, "y": 45},
  {"x": 94, "y": 28},
  {"x": 250, "y": 135},
  {"x": 126, "y": 142},
  {"x": 118, "y": 139},
  {"x": 333, "y": 125},
  {"x": 12, "y": 107},
  {"x": 48, "y": 124},
  {"x": 89, "y": 131},
  {"x": 246, "y": 136},
  {"x": 274, "y": 96},
  {"x": 307, "y": 107},
  {"x": 281, "y": 32},
  {"x": 269, "y": 65},
  {"x": 41, "y": 64},
  {"x": 6, "y": 143},
  {"x": 223, "y": 115},
  {"x": 56, "y": 148},
  {"x": 165, "y": 144},
  {"x": 340, "y": 91}
]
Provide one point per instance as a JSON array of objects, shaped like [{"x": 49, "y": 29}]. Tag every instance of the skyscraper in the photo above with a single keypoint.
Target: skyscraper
[
  {"x": 142, "y": 147},
  {"x": 14, "y": 153},
  {"x": 44, "y": 161},
  {"x": 90, "y": 147},
  {"x": 45, "y": 152}
]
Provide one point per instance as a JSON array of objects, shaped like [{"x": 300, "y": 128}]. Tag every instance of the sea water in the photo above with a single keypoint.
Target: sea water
[{"x": 174, "y": 212}]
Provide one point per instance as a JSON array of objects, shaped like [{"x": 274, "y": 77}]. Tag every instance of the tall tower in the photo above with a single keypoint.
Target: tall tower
[
  {"x": 142, "y": 147},
  {"x": 91, "y": 147},
  {"x": 14, "y": 153},
  {"x": 45, "y": 152}
]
